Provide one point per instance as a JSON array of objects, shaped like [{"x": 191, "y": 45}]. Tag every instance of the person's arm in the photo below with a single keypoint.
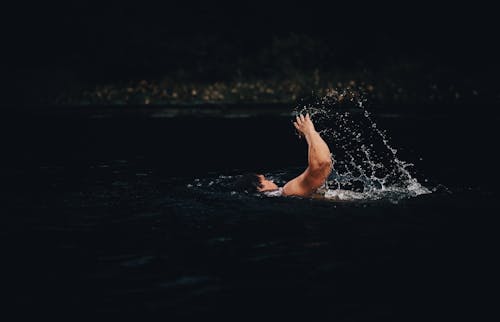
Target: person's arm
[{"x": 319, "y": 158}]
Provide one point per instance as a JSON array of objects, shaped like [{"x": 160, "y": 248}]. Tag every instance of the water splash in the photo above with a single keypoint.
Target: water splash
[{"x": 366, "y": 166}]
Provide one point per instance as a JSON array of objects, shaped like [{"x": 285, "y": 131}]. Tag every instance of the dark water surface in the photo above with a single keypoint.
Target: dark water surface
[{"x": 98, "y": 217}]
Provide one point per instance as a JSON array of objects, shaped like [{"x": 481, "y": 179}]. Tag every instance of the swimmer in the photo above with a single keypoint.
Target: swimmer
[{"x": 318, "y": 169}]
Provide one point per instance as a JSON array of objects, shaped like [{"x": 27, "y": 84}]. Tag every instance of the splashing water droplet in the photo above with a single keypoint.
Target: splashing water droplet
[{"x": 365, "y": 165}]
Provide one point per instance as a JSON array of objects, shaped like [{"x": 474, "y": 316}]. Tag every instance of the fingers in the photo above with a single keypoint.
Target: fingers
[
  {"x": 296, "y": 125},
  {"x": 300, "y": 119},
  {"x": 303, "y": 117}
]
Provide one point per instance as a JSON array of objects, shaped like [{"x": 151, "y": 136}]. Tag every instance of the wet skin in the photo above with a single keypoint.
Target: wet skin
[{"x": 266, "y": 185}]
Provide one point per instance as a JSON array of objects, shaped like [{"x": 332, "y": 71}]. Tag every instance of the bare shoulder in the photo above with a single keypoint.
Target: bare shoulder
[
  {"x": 294, "y": 188},
  {"x": 306, "y": 183}
]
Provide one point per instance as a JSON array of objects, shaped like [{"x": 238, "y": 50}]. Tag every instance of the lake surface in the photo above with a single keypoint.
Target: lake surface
[{"x": 129, "y": 213}]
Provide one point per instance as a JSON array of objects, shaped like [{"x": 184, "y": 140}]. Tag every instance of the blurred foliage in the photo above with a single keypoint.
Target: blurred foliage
[{"x": 275, "y": 68}]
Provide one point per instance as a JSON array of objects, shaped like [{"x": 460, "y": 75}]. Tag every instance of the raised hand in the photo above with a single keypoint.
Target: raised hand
[
  {"x": 304, "y": 125},
  {"x": 319, "y": 161}
]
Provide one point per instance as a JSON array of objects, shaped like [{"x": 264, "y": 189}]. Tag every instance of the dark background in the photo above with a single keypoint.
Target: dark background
[
  {"x": 65, "y": 209},
  {"x": 52, "y": 47}
]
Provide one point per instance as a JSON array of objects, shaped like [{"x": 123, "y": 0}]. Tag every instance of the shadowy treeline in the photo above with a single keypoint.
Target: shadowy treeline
[{"x": 124, "y": 54}]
